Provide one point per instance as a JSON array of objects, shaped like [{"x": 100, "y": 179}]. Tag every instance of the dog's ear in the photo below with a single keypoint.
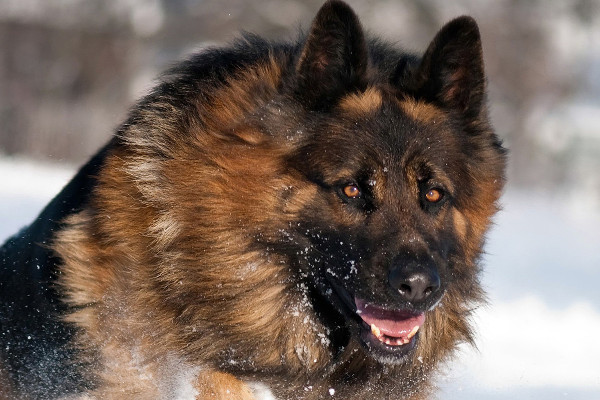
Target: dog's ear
[
  {"x": 334, "y": 58},
  {"x": 451, "y": 71}
]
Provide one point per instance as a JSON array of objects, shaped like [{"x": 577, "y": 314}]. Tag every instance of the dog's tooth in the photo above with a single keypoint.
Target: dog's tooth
[
  {"x": 413, "y": 332},
  {"x": 375, "y": 330}
]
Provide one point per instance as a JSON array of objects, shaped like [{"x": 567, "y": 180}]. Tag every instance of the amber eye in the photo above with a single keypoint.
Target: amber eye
[
  {"x": 433, "y": 195},
  {"x": 351, "y": 191}
]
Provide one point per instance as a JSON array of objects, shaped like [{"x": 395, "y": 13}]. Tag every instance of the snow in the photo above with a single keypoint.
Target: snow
[
  {"x": 537, "y": 337},
  {"x": 26, "y": 188}
]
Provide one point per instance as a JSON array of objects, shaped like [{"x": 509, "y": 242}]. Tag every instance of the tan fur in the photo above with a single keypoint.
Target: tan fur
[
  {"x": 219, "y": 385},
  {"x": 6, "y": 389},
  {"x": 128, "y": 307},
  {"x": 420, "y": 111},
  {"x": 460, "y": 223},
  {"x": 362, "y": 103}
]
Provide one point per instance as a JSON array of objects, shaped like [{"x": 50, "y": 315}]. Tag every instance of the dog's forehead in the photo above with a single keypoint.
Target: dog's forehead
[{"x": 386, "y": 128}]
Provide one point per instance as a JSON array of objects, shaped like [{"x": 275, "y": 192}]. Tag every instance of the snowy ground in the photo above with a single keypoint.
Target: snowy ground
[{"x": 537, "y": 338}]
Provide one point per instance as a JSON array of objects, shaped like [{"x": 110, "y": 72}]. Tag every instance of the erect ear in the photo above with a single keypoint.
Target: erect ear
[
  {"x": 334, "y": 58},
  {"x": 451, "y": 70}
]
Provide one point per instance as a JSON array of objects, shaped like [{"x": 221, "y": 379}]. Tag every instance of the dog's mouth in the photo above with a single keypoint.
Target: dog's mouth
[
  {"x": 388, "y": 334},
  {"x": 390, "y": 327}
]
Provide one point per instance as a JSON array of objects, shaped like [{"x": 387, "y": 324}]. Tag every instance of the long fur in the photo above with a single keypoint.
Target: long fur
[{"x": 198, "y": 251}]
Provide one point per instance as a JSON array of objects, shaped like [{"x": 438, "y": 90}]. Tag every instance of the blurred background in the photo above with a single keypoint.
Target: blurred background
[{"x": 69, "y": 70}]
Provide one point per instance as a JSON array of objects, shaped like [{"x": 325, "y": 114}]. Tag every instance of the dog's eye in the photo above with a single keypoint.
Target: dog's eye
[
  {"x": 351, "y": 191},
  {"x": 434, "y": 195}
]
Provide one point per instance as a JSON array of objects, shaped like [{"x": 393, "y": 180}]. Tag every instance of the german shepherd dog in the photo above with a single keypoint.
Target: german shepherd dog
[{"x": 274, "y": 220}]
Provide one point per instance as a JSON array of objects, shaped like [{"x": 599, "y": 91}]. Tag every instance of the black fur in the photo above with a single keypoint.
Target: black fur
[{"x": 34, "y": 342}]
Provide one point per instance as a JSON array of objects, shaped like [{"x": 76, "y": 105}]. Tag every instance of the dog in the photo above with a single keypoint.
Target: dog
[{"x": 289, "y": 220}]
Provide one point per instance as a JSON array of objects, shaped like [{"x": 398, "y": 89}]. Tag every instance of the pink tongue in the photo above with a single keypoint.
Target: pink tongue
[{"x": 392, "y": 323}]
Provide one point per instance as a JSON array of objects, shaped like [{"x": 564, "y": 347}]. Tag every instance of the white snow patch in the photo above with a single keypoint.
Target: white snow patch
[
  {"x": 261, "y": 391},
  {"x": 525, "y": 343},
  {"x": 26, "y": 188},
  {"x": 185, "y": 389},
  {"x": 24, "y": 177},
  {"x": 177, "y": 379}
]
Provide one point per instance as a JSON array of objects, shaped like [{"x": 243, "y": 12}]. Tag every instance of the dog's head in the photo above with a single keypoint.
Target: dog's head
[{"x": 398, "y": 171}]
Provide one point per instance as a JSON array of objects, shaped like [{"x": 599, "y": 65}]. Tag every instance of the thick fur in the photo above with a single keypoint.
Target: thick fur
[{"x": 198, "y": 249}]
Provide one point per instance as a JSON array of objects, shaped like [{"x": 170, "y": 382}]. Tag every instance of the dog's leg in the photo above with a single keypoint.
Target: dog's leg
[{"x": 220, "y": 386}]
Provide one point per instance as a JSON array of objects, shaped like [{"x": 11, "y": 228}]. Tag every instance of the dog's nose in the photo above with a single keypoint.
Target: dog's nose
[{"x": 415, "y": 281}]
